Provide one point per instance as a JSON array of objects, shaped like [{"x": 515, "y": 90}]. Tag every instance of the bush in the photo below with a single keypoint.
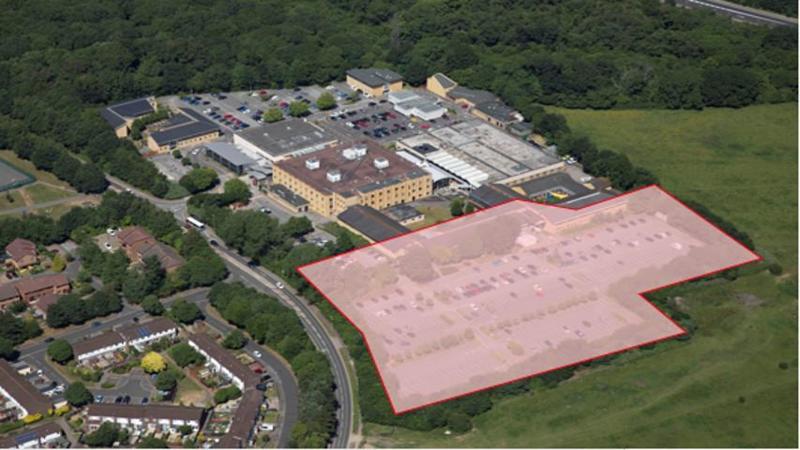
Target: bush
[
  {"x": 226, "y": 394},
  {"x": 184, "y": 355},
  {"x": 234, "y": 340},
  {"x": 775, "y": 269}
]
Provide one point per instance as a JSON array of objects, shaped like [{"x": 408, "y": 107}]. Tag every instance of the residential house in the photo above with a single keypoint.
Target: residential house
[
  {"x": 8, "y": 295},
  {"x": 222, "y": 362},
  {"x": 138, "y": 244},
  {"x": 32, "y": 288},
  {"x": 21, "y": 395},
  {"x": 21, "y": 254},
  {"x": 43, "y": 303},
  {"x": 145, "y": 419},
  {"x": 39, "y": 437},
  {"x": 135, "y": 335}
]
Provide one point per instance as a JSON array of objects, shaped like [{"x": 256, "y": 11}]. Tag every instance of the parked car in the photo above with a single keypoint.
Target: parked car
[
  {"x": 49, "y": 339},
  {"x": 98, "y": 398},
  {"x": 213, "y": 243},
  {"x": 279, "y": 285},
  {"x": 257, "y": 353}
]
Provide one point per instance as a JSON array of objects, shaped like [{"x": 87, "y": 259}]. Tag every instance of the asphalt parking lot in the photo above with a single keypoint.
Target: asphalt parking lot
[
  {"x": 135, "y": 387},
  {"x": 171, "y": 167}
]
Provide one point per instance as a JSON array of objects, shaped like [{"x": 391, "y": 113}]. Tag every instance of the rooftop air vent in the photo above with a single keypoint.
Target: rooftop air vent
[
  {"x": 334, "y": 176},
  {"x": 312, "y": 164},
  {"x": 356, "y": 152},
  {"x": 381, "y": 163}
]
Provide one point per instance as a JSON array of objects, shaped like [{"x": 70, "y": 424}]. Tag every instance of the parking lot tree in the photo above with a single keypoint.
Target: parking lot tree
[
  {"x": 234, "y": 340},
  {"x": 152, "y": 362},
  {"x": 152, "y": 442},
  {"x": 153, "y": 306},
  {"x": 166, "y": 381},
  {"x": 177, "y": 154},
  {"x": 326, "y": 101},
  {"x": 185, "y": 312},
  {"x": 273, "y": 115},
  {"x": 226, "y": 394},
  {"x": 60, "y": 351},
  {"x": 77, "y": 395},
  {"x": 199, "y": 179},
  {"x": 298, "y": 109},
  {"x": 104, "y": 436},
  {"x": 184, "y": 355},
  {"x": 297, "y": 226}
]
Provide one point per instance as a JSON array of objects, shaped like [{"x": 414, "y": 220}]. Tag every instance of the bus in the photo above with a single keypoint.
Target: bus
[{"x": 195, "y": 223}]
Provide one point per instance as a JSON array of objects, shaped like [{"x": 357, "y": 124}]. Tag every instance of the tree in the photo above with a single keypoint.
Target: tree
[
  {"x": 153, "y": 306},
  {"x": 60, "y": 351},
  {"x": 273, "y": 115},
  {"x": 185, "y": 430},
  {"x": 199, "y": 179},
  {"x": 729, "y": 86},
  {"x": 184, "y": 355},
  {"x": 458, "y": 422},
  {"x": 226, "y": 394},
  {"x": 185, "y": 312},
  {"x": 153, "y": 363},
  {"x": 7, "y": 350},
  {"x": 166, "y": 381},
  {"x": 457, "y": 207},
  {"x": 58, "y": 264},
  {"x": 298, "y": 109},
  {"x": 297, "y": 226},
  {"x": 237, "y": 190},
  {"x": 77, "y": 395},
  {"x": 234, "y": 340},
  {"x": 326, "y": 101},
  {"x": 151, "y": 442},
  {"x": 105, "y": 436}
]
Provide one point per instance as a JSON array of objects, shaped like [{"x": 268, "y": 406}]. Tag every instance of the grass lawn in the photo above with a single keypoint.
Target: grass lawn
[
  {"x": 11, "y": 200},
  {"x": 734, "y": 383},
  {"x": 191, "y": 393},
  {"x": 741, "y": 164},
  {"x": 28, "y": 166},
  {"x": 42, "y": 193},
  {"x": 433, "y": 214}
]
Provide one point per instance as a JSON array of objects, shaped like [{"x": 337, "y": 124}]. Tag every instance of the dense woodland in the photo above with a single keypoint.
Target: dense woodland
[{"x": 61, "y": 60}]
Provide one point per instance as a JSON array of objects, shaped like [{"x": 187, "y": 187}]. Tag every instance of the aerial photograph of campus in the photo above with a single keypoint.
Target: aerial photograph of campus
[{"x": 399, "y": 224}]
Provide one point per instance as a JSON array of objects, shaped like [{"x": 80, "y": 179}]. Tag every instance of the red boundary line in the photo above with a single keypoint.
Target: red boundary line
[{"x": 756, "y": 257}]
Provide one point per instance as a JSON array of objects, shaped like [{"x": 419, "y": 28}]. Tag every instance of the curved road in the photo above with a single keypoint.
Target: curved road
[{"x": 266, "y": 281}]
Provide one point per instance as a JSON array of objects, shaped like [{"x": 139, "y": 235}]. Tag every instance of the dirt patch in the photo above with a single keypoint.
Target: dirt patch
[{"x": 748, "y": 300}]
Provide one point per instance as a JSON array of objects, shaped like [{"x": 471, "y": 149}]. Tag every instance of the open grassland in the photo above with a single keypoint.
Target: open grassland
[
  {"x": 740, "y": 163},
  {"x": 734, "y": 383}
]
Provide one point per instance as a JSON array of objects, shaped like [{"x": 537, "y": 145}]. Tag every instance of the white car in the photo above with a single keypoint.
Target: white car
[
  {"x": 586, "y": 179},
  {"x": 111, "y": 231},
  {"x": 279, "y": 285},
  {"x": 350, "y": 124},
  {"x": 257, "y": 353}
]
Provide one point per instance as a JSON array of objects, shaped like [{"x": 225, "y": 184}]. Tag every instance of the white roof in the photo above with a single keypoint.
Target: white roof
[
  {"x": 466, "y": 171},
  {"x": 436, "y": 173},
  {"x": 401, "y": 96}
]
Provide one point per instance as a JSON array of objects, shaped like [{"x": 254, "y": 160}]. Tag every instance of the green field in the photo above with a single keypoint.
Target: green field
[
  {"x": 734, "y": 384},
  {"x": 42, "y": 193}
]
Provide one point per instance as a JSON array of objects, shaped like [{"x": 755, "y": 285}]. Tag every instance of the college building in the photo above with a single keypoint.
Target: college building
[
  {"x": 122, "y": 115},
  {"x": 361, "y": 173},
  {"x": 482, "y": 104},
  {"x": 374, "y": 82},
  {"x": 283, "y": 139},
  {"x": 184, "y": 129},
  {"x": 370, "y": 223}
]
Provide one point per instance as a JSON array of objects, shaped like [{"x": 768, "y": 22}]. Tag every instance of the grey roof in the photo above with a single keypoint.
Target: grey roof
[
  {"x": 289, "y": 196},
  {"x": 179, "y": 128},
  {"x": 521, "y": 128},
  {"x": 492, "y": 194},
  {"x": 586, "y": 200},
  {"x": 286, "y": 137},
  {"x": 497, "y": 110},
  {"x": 559, "y": 180},
  {"x": 229, "y": 153},
  {"x": 444, "y": 80},
  {"x": 475, "y": 96},
  {"x": 374, "y": 77},
  {"x": 371, "y": 223},
  {"x": 116, "y": 114}
]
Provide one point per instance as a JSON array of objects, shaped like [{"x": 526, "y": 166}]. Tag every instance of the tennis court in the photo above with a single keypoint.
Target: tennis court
[{"x": 12, "y": 177}]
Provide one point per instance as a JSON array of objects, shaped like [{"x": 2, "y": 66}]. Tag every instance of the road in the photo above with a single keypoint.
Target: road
[
  {"x": 740, "y": 12},
  {"x": 325, "y": 339}
]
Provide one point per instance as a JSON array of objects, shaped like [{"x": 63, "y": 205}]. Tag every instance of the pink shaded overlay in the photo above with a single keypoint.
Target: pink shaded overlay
[{"x": 519, "y": 289}]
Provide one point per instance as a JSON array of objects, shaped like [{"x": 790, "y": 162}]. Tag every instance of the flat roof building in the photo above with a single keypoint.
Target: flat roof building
[
  {"x": 370, "y": 223},
  {"x": 283, "y": 139},
  {"x": 229, "y": 156},
  {"x": 20, "y": 393},
  {"x": 492, "y": 195},
  {"x": 374, "y": 82},
  {"x": 289, "y": 199},
  {"x": 404, "y": 214},
  {"x": 481, "y": 103},
  {"x": 184, "y": 129},
  {"x": 360, "y": 173},
  {"x": 122, "y": 115}
]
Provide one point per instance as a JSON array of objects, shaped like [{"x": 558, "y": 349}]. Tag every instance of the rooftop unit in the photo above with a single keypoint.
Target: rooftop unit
[
  {"x": 355, "y": 152},
  {"x": 312, "y": 164},
  {"x": 381, "y": 163},
  {"x": 334, "y": 176}
]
